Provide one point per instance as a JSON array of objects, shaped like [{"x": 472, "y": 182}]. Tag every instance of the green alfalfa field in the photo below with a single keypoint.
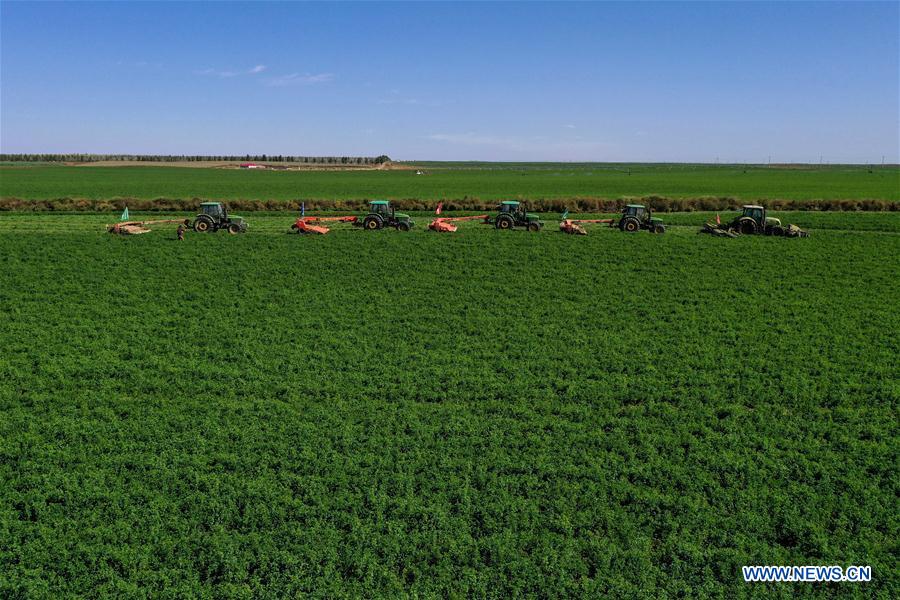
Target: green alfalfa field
[
  {"x": 840, "y": 186},
  {"x": 484, "y": 414}
]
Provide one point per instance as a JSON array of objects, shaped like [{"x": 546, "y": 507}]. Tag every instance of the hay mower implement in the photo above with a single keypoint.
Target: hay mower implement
[
  {"x": 139, "y": 227},
  {"x": 442, "y": 224},
  {"x": 310, "y": 224},
  {"x": 574, "y": 226}
]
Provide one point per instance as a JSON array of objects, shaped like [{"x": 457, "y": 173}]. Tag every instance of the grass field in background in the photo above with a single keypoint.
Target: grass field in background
[
  {"x": 495, "y": 414},
  {"x": 455, "y": 181}
]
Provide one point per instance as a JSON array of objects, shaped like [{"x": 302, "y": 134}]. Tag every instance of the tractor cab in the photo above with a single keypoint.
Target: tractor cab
[
  {"x": 381, "y": 207},
  {"x": 214, "y": 210},
  {"x": 756, "y": 213},
  {"x": 753, "y": 219},
  {"x": 638, "y": 211},
  {"x": 510, "y": 207}
]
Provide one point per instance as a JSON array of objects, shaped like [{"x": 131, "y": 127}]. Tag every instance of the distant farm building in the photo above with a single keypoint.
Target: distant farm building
[{"x": 252, "y": 166}]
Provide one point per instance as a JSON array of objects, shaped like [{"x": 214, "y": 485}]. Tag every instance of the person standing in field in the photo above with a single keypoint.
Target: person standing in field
[{"x": 180, "y": 232}]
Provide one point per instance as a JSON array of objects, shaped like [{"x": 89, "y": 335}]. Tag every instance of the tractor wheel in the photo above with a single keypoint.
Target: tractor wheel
[
  {"x": 203, "y": 224},
  {"x": 747, "y": 226},
  {"x": 234, "y": 229},
  {"x": 777, "y": 231},
  {"x": 631, "y": 225},
  {"x": 659, "y": 228},
  {"x": 402, "y": 226},
  {"x": 533, "y": 227},
  {"x": 504, "y": 222},
  {"x": 372, "y": 223}
]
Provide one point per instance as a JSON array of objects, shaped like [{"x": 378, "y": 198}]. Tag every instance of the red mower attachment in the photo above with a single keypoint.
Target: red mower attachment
[
  {"x": 446, "y": 223},
  {"x": 305, "y": 224},
  {"x": 573, "y": 226}
]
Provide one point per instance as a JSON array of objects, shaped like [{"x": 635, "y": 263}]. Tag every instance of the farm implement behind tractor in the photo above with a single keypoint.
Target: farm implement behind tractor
[
  {"x": 306, "y": 224},
  {"x": 445, "y": 224},
  {"x": 139, "y": 227},
  {"x": 752, "y": 221},
  {"x": 574, "y": 226}
]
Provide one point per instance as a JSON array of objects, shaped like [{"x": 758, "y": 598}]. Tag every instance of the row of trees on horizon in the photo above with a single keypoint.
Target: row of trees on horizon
[{"x": 87, "y": 158}]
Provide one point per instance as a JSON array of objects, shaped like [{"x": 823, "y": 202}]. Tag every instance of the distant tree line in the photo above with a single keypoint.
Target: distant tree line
[{"x": 86, "y": 158}]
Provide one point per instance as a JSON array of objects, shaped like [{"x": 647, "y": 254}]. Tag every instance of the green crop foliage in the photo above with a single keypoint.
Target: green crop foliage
[
  {"x": 456, "y": 181},
  {"x": 487, "y": 414}
]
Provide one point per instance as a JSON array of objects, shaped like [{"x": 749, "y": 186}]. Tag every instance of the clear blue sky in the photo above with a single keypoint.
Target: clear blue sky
[{"x": 539, "y": 81}]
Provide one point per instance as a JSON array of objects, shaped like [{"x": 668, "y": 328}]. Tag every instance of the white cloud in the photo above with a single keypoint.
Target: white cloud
[
  {"x": 569, "y": 126},
  {"x": 298, "y": 79},
  {"x": 225, "y": 74}
]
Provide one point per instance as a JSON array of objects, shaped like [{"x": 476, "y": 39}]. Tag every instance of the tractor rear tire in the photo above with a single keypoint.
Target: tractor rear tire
[
  {"x": 203, "y": 224},
  {"x": 402, "y": 226},
  {"x": 631, "y": 225},
  {"x": 747, "y": 226},
  {"x": 504, "y": 222},
  {"x": 234, "y": 229},
  {"x": 372, "y": 223}
]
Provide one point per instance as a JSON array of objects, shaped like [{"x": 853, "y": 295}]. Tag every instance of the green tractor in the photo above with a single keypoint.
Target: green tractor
[
  {"x": 637, "y": 216},
  {"x": 381, "y": 215},
  {"x": 753, "y": 220},
  {"x": 513, "y": 214},
  {"x": 214, "y": 216}
]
